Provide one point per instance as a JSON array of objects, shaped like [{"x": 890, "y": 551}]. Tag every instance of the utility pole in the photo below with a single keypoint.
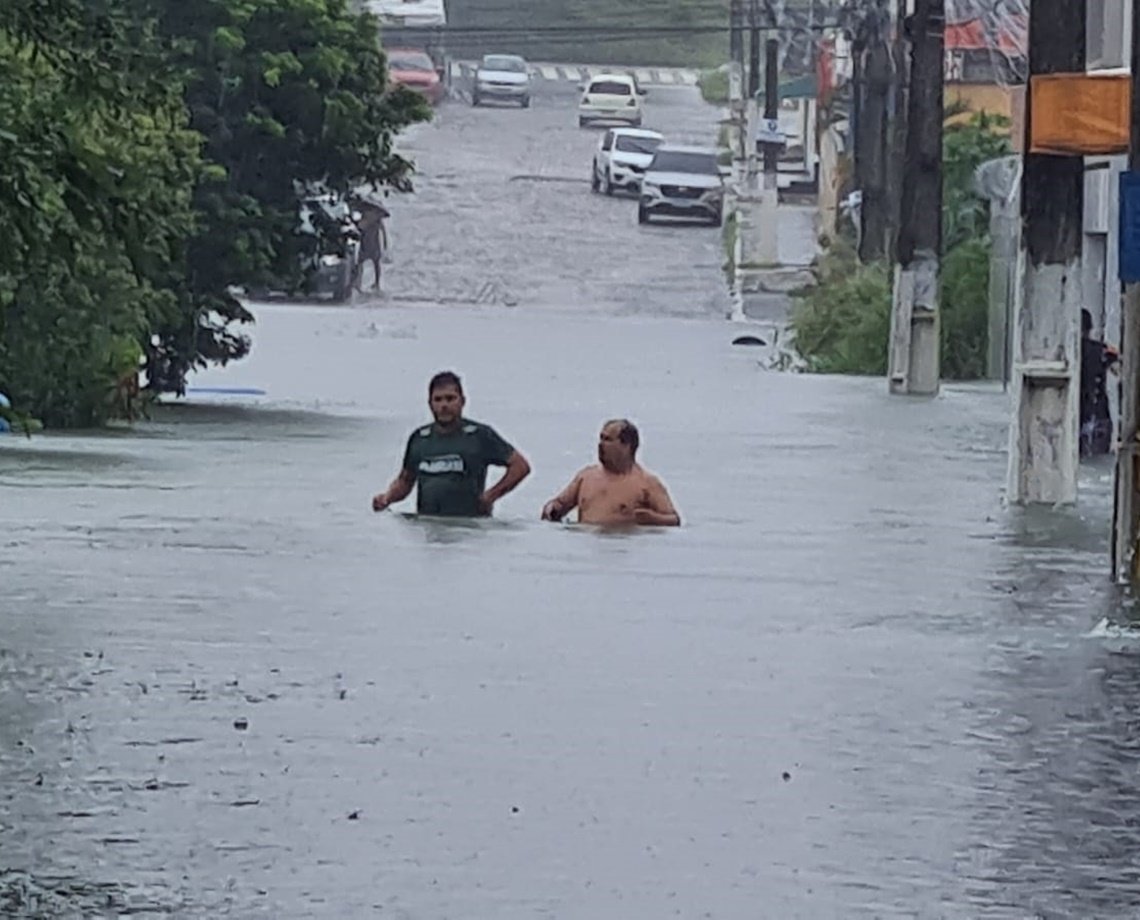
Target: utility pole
[
  {"x": 1045, "y": 383},
  {"x": 1126, "y": 513},
  {"x": 914, "y": 351},
  {"x": 751, "y": 112},
  {"x": 736, "y": 87},
  {"x": 871, "y": 140}
]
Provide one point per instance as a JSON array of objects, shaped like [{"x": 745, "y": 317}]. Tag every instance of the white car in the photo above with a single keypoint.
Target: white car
[
  {"x": 682, "y": 182},
  {"x": 610, "y": 97},
  {"x": 505, "y": 77},
  {"x": 622, "y": 157}
]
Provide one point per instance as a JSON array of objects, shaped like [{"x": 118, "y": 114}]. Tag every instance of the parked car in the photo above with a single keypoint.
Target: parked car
[
  {"x": 416, "y": 70},
  {"x": 610, "y": 97},
  {"x": 622, "y": 157},
  {"x": 503, "y": 77},
  {"x": 682, "y": 182}
]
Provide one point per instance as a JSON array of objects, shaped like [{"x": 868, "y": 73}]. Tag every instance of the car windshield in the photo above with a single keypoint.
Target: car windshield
[
  {"x": 410, "y": 62},
  {"x": 685, "y": 162},
  {"x": 610, "y": 88},
  {"x": 628, "y": 144},
  {"x": 507, "y": 64}
]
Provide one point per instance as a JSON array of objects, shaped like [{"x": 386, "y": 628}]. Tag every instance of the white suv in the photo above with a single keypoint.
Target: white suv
[
  {"x": 682, "y": 182},
  {"x": 610, "y": 97},
  {"x": 621, "y": 159}
]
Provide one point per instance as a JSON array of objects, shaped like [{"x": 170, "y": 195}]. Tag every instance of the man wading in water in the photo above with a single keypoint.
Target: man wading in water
[
  {"x": 449, "y": 458},
  {"x": 617, "y": 490}
]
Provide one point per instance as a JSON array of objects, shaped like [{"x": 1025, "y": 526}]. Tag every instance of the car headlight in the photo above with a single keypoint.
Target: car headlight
[{"x": 650, "y": 187}]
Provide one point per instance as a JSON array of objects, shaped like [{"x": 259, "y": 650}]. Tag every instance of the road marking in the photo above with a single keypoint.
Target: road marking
[{"x": 582, "y": 73}]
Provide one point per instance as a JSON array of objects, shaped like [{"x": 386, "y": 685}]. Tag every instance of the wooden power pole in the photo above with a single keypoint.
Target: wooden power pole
[
  {"x": 874, "y": 75},
  {"x": 1126, "y": 513},
  {"x": 1045, "y": 382},
  {"x": 914, "y": 350}
]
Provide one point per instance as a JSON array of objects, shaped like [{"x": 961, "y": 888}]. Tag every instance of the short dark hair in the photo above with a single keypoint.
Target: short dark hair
[
  {"x": 445, "y": 379},
  {"x": 627, "y": 433}
]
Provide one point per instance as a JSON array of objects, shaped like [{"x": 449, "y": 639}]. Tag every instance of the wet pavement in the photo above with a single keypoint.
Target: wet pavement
[{"x": 853, "y": 685}]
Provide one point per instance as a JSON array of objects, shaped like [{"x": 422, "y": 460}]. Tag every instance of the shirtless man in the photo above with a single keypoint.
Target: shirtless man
[{"x": 617, "y": 490}]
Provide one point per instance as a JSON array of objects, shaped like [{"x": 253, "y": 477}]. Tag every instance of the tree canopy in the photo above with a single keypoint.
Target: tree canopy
[{"x": 153, "y": 155}]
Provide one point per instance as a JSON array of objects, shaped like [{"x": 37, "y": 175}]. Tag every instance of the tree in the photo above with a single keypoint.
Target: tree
[
  {"x": 97, "y": 169},
  {"x": 289, "y": 96}
]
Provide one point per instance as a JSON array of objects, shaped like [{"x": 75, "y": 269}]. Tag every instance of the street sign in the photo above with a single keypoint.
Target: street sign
[
  {"x": 1129, "y": 227},
  {"x": 768, "y": 132}
]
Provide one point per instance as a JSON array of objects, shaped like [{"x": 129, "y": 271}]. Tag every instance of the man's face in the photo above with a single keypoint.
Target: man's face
[
  {"x": 612, "y": 453},
  {"x": 446, "y": 404}
]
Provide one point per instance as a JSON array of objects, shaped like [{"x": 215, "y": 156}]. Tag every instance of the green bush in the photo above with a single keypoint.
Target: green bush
[
  {"x": 714, "y": 86},
  {"x": 965, "y": 310},
  {"x": 843, "y": 323}
]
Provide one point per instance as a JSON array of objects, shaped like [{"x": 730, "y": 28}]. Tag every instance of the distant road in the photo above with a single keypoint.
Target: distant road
[{"x": 577, "y": 73}]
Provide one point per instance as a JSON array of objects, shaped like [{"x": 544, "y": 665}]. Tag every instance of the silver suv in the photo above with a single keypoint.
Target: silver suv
[{"x": 682, "y": 182}]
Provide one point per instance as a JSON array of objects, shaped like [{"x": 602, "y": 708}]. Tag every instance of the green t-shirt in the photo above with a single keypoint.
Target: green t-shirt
[{"x": 451, "y": 468}]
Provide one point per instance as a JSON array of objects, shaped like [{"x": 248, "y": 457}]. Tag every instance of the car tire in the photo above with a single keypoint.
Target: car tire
[
  {"x": 642, "y": 215},
  {"x": 475, "y": 100},
  {"x": 595, "y": 186},
  {"x": 582, "y": 122},
  {"x": 525, "y": 103},
  {"x": 636, "y": 122},
  {"x": 608, "y": 186}
]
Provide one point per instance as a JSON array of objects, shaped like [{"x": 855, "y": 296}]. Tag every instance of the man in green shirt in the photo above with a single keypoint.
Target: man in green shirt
[{"x": 448, "y": 460}]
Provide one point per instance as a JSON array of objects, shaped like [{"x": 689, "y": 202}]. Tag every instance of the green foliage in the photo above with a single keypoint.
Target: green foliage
[
  {"x": 96, "y": 172},
  {"x": 289, "y": 96},
  {"x": 965, "y": 309},
  {"x": 153, "y": 153},
  {"x": 842, "y": 324},
  {"x": 714, "y": 85},
  {"x": 966, "y": 145}
]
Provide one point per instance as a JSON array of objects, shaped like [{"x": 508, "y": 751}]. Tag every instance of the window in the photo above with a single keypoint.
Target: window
[
  {"x": 630, "y": 144},
  {"x": 681, "y": 161},
  {"x": 610, "y": 88}
]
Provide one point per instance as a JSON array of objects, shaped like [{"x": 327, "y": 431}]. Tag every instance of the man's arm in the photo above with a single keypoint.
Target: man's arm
[
  {"x": 659, "y": 510},
  {"x": 517, "y": 470},
  {"x": 564, "y": 502},
  {"x": 399, "y": 489}
]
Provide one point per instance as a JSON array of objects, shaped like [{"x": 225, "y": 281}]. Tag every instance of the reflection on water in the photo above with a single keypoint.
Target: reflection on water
[{"x": 852, "y": 685}]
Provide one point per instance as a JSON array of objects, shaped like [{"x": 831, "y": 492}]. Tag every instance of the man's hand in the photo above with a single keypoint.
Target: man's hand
[
  {"x": 486, "y": 504},
  {"x": 655, "y": 518},
  {"x": 380, "y": 502},
  {"x": 552, "y": 511}
]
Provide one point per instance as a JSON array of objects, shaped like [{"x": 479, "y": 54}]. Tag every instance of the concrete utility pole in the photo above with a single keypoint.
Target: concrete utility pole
[
  {"x": 871, "y": 132},
  {"x": 1126, "y": 513},
  {"x": 914, "y": 352},
  {"x": 1044, "y": 442}
]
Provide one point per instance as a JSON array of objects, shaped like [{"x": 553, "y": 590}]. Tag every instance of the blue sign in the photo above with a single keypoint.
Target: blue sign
[{"x": 1130, "y": 227}]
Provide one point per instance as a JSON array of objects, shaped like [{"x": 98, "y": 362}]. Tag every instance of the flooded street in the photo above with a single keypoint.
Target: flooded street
[{"x": 852, "y": 685}]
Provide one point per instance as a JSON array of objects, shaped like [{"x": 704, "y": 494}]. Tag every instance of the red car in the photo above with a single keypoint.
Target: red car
[{"x": 415, "y": 70}]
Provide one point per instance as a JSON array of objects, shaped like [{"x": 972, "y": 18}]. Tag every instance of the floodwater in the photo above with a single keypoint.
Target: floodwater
[{"x": 853, "y": 685}]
